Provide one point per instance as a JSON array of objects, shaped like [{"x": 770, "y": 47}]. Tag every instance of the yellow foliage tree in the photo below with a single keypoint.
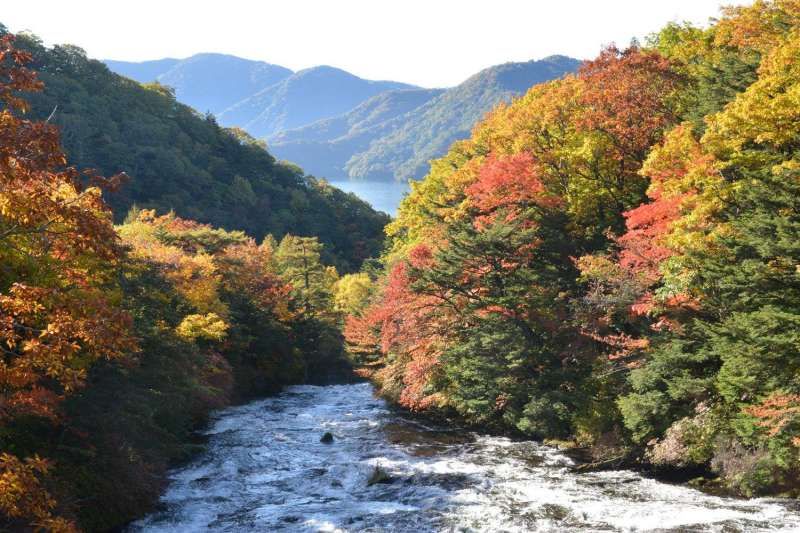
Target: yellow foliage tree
[
  {"x": 351, "y": 293},
  {"x": 209, "y": 327}
]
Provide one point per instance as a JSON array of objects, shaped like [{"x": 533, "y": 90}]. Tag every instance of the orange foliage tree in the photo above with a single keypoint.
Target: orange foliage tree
[
  {"x": 58, "y": 312},
  {"x": 398, "y": 339}
]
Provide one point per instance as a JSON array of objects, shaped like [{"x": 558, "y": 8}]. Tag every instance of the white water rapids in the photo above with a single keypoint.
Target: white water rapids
[{"x": 265, "y": 469}]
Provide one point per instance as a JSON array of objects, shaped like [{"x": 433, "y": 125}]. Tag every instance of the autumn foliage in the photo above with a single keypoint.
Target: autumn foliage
[
  {"x": 612, "y": 257},
  {"x": 58, "y": 308},
  {"x": 402, "y": 322},
  {"x": 117, "y": 341}
]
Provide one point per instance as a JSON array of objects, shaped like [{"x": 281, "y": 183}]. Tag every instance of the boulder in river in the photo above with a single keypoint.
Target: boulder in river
[
  {"x": 379, "y": 475},
  {"x": 327, "y": 438}
]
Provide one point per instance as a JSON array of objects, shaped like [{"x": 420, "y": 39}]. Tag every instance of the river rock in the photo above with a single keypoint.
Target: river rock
[
  {"x": 327, "y": 438},
  {"x": 379, "y": 475}
]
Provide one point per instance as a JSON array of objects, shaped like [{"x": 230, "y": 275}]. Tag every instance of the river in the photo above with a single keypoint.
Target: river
[{"x": 265, "y": 469}]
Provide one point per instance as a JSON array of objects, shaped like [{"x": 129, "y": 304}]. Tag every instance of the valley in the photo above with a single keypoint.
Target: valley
[
  {"x": 335, "y": 125},
  {"x": 552, "y": 295}
]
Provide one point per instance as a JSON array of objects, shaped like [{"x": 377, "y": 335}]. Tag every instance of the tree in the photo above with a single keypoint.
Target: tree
[
  {"x": 299, "y": 264},
  {"x": 351, "y": 292},
  {"x": 58, "y": 299},
  {"x": 733, "y": 250}
]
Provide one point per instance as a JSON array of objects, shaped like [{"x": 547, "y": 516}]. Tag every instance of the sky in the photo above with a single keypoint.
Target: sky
[{"x": 432, "y": 43}]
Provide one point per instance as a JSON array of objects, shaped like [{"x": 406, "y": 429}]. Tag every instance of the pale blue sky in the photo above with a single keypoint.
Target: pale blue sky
[{"x": 427, "y": 42}]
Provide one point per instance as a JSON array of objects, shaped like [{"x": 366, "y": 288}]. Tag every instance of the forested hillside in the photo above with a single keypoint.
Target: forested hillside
[
  {"x": 612, "y": 260},
  {"x": 399, "y": 142},
  {"x": 178, "y": 160},
  {"x": 117, "y": 341}
]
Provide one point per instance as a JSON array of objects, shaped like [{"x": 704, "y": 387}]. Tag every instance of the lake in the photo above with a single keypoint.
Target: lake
[{"x": 382, "y": 195}]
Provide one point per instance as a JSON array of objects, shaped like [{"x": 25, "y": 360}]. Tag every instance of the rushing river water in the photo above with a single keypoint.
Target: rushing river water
[{"x": 266, "y": 470}]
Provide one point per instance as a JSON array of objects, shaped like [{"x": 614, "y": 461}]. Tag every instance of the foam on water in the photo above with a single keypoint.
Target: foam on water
[{"x": 266, "y": 470}]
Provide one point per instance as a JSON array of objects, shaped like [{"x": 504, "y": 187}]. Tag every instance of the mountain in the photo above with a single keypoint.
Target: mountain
[
  {"x": 143, "y": 72},
  {"x": 302, "y": 98},
  {"x": 394, "y": 135},
  {"x": 326, "y": 145},
  {"x": 206, "y": 82},
  {"x": 374, "y": 111},
  {"x": 180, "y": 160},
  {"x": 335, "y": 124}
]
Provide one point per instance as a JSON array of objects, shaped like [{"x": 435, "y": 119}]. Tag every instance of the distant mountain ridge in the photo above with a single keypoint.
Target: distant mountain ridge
[
  {"x": 304, "y": 97},
  {"x": 327, "y": 145},
  {"x": 206, "y": 82},
  {"x": 337, "y": 125},
  {"x": 143, "y": 72},
  {"x": 377, "y": 110},
  {"x": 400, "y": 146}
]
